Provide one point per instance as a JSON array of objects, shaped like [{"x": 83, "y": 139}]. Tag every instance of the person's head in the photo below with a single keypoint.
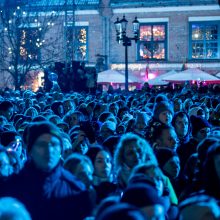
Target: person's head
[
  {"x": 31, "y": 111},
  {"x": 80, "y": 166},
  {"x": 73, "y": 118},
  {"x": 79, "y": 140},
  {"x": 44, "y": 144},
  {"x": 181, "y": 124},
  {"x": 113, "y": 108},
  {"x": 200, "y": 127},
  {"x": 108, "y": 128},
  {"x": 57, "y": 108},
  {"x": 169, "y": 162},
  {"x": 177, "y": 104},
  {"x": 197, "y": 111},
  {"x": 55, "y": 119},
  {"x": 146, "y": 198},
  {"x": 7, "y": 109},
  {"x": 12, "y": 209},
  {"x": 163, "y": 112},
  {"x": 165, "y": 137},
  {"x": 199, "y": 207},
  {"x": 121, "y": 211},
  {"x": 102, "y": 161},
  {"x": 187, "y": 103},
  {"x": 67, "y": 146},
  {"x": 211, "y": 171},
  {"x": 133, "y": 150},
  {"x": 68, "y": 105},
  {"x": 149, "y": 173},
  {"x": 206, "y": 111},
  {"x": 141, "y": 121}
]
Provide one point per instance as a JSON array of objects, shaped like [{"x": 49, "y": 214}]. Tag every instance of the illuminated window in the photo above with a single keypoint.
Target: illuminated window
[
  {"x": 77, "y": 41},
  {"x": 204, "y": 40},
  {"x": 30, "y": 44},
  {"x": 153, "y": 42}
]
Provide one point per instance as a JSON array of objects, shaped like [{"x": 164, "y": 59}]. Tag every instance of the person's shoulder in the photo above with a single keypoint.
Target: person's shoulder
[{"x": 72, "y": 180}]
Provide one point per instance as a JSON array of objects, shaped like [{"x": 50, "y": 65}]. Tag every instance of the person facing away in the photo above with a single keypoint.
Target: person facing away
[{"x": 43, "y": 186}]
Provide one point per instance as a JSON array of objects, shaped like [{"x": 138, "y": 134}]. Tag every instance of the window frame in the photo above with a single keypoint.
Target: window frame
[
  {"x": 204, "y": 23},
  {"x": 21, "y": 59},
  {"x": 165, "y": 24},
  {"x": 77, "y": 43}
]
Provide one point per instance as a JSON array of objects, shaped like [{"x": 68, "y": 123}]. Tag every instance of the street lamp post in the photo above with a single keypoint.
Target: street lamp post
[{"x": 121, "y": 27}]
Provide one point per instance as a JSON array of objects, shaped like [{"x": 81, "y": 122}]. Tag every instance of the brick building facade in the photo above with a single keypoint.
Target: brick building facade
[{"x": 181, "y": 31}]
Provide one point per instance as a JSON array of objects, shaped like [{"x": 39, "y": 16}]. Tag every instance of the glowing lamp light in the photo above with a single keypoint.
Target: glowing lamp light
[{"x": 151, "y": 75}]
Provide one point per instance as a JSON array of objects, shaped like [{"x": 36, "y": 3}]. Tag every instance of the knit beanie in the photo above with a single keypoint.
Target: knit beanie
[
  {"x": 198, "y": 123},
  {"x": 37, "y": 129},
  {"x": 161, "y": 107},
  {"x": 121, "y": 211},
  {"x": 108, "y": 125},
  {"x": 164, "y": 154},
  {"x": 141, "y": 195}
]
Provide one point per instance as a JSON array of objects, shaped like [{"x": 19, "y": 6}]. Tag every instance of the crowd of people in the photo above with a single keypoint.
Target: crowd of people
[{"x": 144, "y": 154}]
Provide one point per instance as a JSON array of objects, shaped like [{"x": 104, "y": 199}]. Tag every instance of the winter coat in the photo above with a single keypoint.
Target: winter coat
[{"x": 54, "y": 195}]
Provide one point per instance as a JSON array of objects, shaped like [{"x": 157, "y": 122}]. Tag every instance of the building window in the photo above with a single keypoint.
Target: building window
[
  {"x": 77, "y": 41},
  {"x": 153, "y": 42},
  {"x": 30, "y": 44},
  {"x": 204, "y": 40}
]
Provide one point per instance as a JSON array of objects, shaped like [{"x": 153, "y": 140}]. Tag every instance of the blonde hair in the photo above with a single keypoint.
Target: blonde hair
[{"x": 147, "y": 153}]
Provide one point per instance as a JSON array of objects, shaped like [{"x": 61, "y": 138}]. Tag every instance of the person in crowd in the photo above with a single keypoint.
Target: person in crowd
[
  {"x": 162, "y": 115},
  {"x": 169, "y": 163},
  {"x": 7, "y": 109},
  {"x": 146, "y": 198},
  {"x": 182, "y": 126},
  {"x": 164, "y": 136},
  {"x": 201, "y": 128},
  {"x": 199, "y": 207},
  {"x": 103, "y": 176},
  {"x": 131, "y": 151},
  {"x": 211, "y": 171},
  {"x": 81, "y": 167},
  {"x": 12, "y": 209},
  {"x": 43, "y": 186},
  {"x": 121, "y": 211}
]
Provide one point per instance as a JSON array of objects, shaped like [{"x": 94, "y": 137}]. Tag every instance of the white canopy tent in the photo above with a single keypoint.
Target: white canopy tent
[
  {"x": 191, "y": 75},
  {"x": 113, "y": 76},
  {"x": 159, "y": 79}
]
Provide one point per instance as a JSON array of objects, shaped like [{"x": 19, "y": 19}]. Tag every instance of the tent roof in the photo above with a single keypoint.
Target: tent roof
[
  {"x": 191, "y": 75},
  {"x": 159, "y": 79},
  {"x": 112, "y": 76}
]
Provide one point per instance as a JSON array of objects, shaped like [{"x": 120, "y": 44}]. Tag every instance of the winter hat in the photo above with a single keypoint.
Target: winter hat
[
  {"x": 108, "y": 125},
  {"x": 37, "y": 129},
  {"x": 7, "y": 137},
  {"x": 141, "y": 195},
  {"x": 164, "y": 154},
  {"x": 121, "y": 211},
  {"x": 161, "y": 107},
  {"x": 198, "y": 123},
  {"x": 196, "y": 111}
]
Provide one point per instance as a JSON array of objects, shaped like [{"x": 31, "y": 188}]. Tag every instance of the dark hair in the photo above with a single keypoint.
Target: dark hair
[{"x": 5, "y": 105}]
